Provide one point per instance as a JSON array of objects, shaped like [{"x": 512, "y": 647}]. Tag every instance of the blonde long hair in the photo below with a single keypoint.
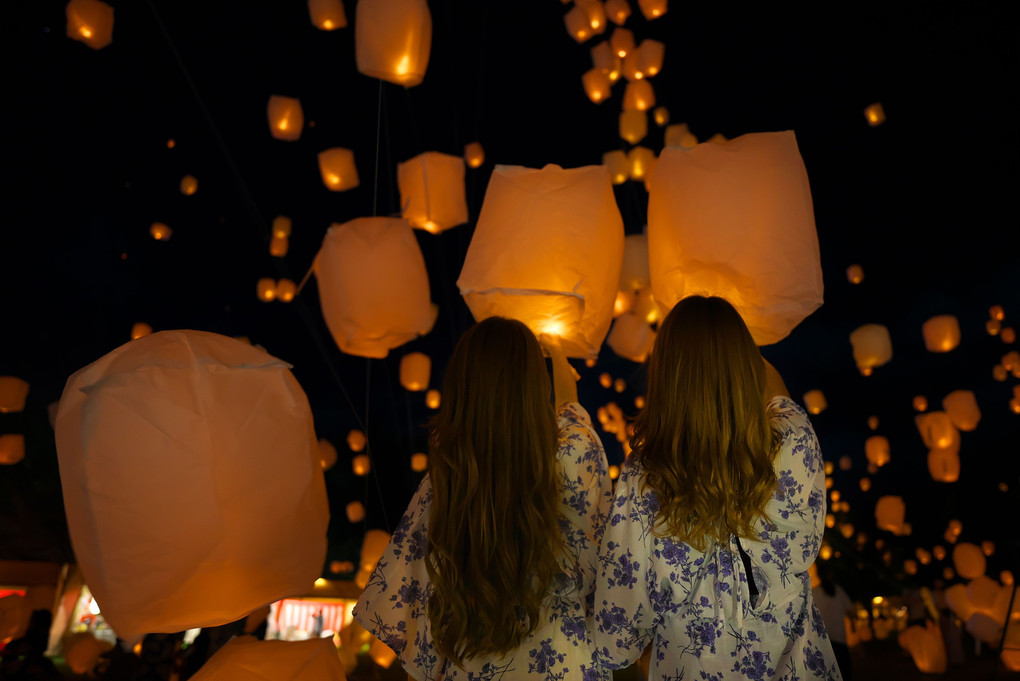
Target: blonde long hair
[
  {"x": 493, "y": 526},
  {"x": 704, "y": 438}
]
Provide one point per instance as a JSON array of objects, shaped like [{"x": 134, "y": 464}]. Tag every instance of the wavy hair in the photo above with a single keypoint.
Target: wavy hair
[
  {"x": 705, "y": 439},
  {"x": 494, "y": 531}
]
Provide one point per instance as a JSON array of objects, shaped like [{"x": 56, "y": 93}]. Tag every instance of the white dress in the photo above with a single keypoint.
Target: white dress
[
  {"x": 694, "y": 607},
  {"x": 393, "y": 605}
]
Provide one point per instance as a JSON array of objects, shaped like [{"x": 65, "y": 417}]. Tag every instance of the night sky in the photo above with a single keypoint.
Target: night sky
[{"x": 921, "y": 202}]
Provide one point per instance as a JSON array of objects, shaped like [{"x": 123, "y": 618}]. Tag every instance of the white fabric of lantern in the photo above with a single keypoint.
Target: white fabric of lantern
[
  {"x": 735, "y": 220},
  {"x": 373, "y": 286},
  {"x": 393, "y": 40},
  {"x": 170, "y": 448},
  {"x": 245, "y": 658},
  {"x": 631, "y": 337},
  {"x": 547, "y": 251},
  {"x": 432, "y": 191}
]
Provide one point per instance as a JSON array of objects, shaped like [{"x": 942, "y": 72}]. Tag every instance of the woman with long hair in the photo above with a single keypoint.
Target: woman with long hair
[
  {"x": 717, "y": 515},
  {"x": 491, "y": 571}
]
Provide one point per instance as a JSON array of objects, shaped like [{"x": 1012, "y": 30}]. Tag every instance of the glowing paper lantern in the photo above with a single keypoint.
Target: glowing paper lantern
[
  {"x": 90, "y": 22},
  {"x": 327, "y": 454},
  {"x": 578, "y": 24},
  {"x": 634, "y": 272},
  {"x": 876, "y": 448},
  {"x": 958, "y": 601},
  {"x": 169, "y": 447},
  {"x": 874, "y": 114},
  {"x": 855, "y": 274},
  {"x": 988, "y": 547},
  {"x": 415, "y": 368},
  {"x": 245, "y": 658},
  {"x": 638, "y": 96},
  {"x": 285, "y": 290},
  {"x": 12, "y": 448},
  {"x": 82, "y": 651},
  {"x": 286, "y": 118},
  {"x": 281, "y": 227},
  {"x": 336, "y": 165},
  {"x": 14, "y": 615},
  {"x": 937, "y": 430},
  {"x": 941, "y": 333},
  {"x": 962, "y": 409},
  {"x": 661, "y": 116},
  {"x": 633, "y": 126},
  {"x": 356, "y": 440},
  {"x": 944, "y": 464},
  {"x": 618, "y": 166},
  {"x": 679, "y": 135},
  {"x": 873, "y": 422},
  {"x": 474, "y": 154},
  {"x": 355, "y": 511},
  {"x": 381, "y": 654},
  {"x": 372, "y": 548},
  {"x": 189, "y": 185},
  {"x": 373, "y": 286},
  {"x": 13, "y": 394},
  {"x": 138, "y": 329},
  {"x": 392, "y": 40},
  {"x": 547, "y": 251},
  {"x": 872, "y": 347},
  {"x": 265, "y": 288},
  {"x": 327, "y": 15},
  {"x": 719, "y": 219},
  {"x": 618, "y": 11},
  {"x": 361, "y": 465},
  {"x": 622, "y": 41},
  {"x": 603, "y": 58},
  {"x": 432, "y": 191},
  {"x": 650, "y": 55},
  {"x": 983, "y": 592},
  {"x": 926, "y": 647},
  {"x": 969, "y": 560},
  {"x": 596, "y": 84},
  {"x": 631, "y": 337},
  {"x": 433, "y": 398},
  {"x": 419, "y": 463},
  {"x": 815, "y": 402},
  {"x": 889, "y": 513},
  {"x": 920, "y": 403},
  {"x": 642, "y": 163},
  {"x": 278, "y": 246},
  {"x": 160, "y": 232}
]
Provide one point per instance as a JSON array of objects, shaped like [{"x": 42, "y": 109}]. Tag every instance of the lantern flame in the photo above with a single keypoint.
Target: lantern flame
[
  {"x": 404, "y": 65},
  {"x": 85, "y": 31}
]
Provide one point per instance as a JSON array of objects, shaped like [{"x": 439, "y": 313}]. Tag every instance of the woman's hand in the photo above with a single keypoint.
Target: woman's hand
[{"x": 564, "y": 376}]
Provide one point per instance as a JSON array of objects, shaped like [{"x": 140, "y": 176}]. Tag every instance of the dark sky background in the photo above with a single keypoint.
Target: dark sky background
[{"x": 924, "y": 202}]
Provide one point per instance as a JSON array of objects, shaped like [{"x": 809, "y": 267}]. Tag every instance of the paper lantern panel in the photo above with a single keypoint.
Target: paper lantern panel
[
  {"x": 327, "y": 15},
  {"x": 245, "y": 658},
  {"x": 13, "y": 394},
  {"x": 393, "y": 40},
  {"x": 286, "y": 118},
  {"x": 432, "y": 191},
  {"x": 90, "y": 22},
  {"x": 170, "y": 447}
]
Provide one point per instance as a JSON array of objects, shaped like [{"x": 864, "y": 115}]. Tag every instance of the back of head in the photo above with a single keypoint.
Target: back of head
[
  {"x": 704, "y": 437},
  {"x": 493, "y": 524}
]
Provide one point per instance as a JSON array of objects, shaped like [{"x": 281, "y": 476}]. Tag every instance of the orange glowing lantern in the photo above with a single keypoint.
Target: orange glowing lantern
[
  {"x": 327, "y": 15},
  {"x": 996, "y": 312},
  {"x": 372, "y": 548},
  {"x": 958, "y": 601},
  {"x": 433, "y": 398},
  {"x": 13, "y": 393},
  {"x": 336, "y": 165},
  {"x": 941, "y": 333},
  {"x": 633, "y": 126},
  {"x": 962, "y": 409},
  {"x": 939, "y": 552},
  {"x": 415, "y": 368},
  {"x": 926, "y": 647},
  {"x": 1008, "y": 335},
  {"x": 393, "y": 39},
  {"x": 238, "y": 658},
  {"x": 373, "y": 286},
  {"x": 356, "y": 440},
  {"x": 993, "y": 327},
  {"x": 547, "y": 251},
  {"x": 815, "y": 402},
  {"x": 327, "y": 454},
  {"x": 355, "y": 511},
  {"x": 381, "y": 654},
  {"x": 865, "y": 484},
  {"x": 679, "y": 135},
  {"x": 653, "y": 9},
  {"x": 602, "y": 58},
  {"x": 596, "y": 14},
  {"x": 631, "y": 337},
  {"x": 138, "y": 329},
  {"x": 618, "y": 11},
  {"x": 874, "y": 114},
  {"x": 12, "y": 448},
  {"x": 90, "y": 22},
  {"x": 944, "y": 464},
  {"x": 873, "y": 423},
  {"x": 281, "y": 227},
  {"x": 419, "y": 462},
  {"x": 876, "y": 448},
  {"x": 721, "y": 216},
  {"x": 614, "y": 472},
  {"x": 432, "y": 191},
  {"x": 845, "y": 463},
  {"x": 855, "y": 274},
  {"x": 190, "y": 415},
  {"x": 920, "y": 403},
  {"x": 622, "y": 42},
  {"x": 285, "y": 290},
  {"x": 160, "y": 231},
  {"x": 189, "y": 185},
  {"x": 266, "y": 289},
  {"x": 650, "y": 56},
  {"x": 889, "y": 513},
  {"x": 634, "y": 273},
  {"x": 278, "y": 246},
  {"x": 638, "y": 96},
  {"x": 937, "y": 430},
  {"x": 988, "y": 547},
  {"x": 578, "y": 24},
  {"x": 969, "y": 560},
  {"x": 605, "y": 380},
  {"x": 474, "y": 154},
  {"x": 983, "y": 592},
  {"x": 661, "y": 116},
  {"x": 618, "y": 166},
  {"x": 361, "y": 465},
  {"x": 596, "y": 84},
  {"x": 286, "y": 118},
  {"x": 642, "y": 163},
  {"x": 872, "y": 347}
]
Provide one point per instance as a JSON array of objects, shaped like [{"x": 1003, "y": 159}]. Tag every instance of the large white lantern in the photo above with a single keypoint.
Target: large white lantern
[
  {"x": 245, "y": 658},
  {"x": 393, "y": 39}
]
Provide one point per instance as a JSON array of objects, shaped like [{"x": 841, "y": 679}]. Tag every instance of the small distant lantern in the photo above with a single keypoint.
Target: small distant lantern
[
  {"x": 941, "y": 333},
  {"x": 717, "y": 138},
  {"x": 639, "y": 401},
  {"x": 661, "y": 116},
  {"x": 997, "y": 313},
  {"x": 873, "y": 423},
  {"x": 596, "y": 84},
  {"x": 1006, "y": 577},
  {"x": 920, "y": 403},
  {"x": 605, "y": 380},
  {"x": 433, "y": 398},
  {"x": 266, "y": 289},
  {"x": 356, "y": 440},
  {"x": 939, "y": 552},
  {"x": 361, "y": 465},
  {"x": 90, "y": 22},
  {"x": 876, "y": 448},
  {"x": 646, "y": 307},
  {"x": 815, "y": 402},
  {"x": 474, "y": 154},
  {"x": 865, "y": 484},
  {"x": 937, "y": 430},
  {"x": 623, "y": 304},
  {"x": 336, "y": 165},
  {"x": 12, "y": 448},
  {"x": 285, "y": 290},
  {"x": 679, "y": 135},
  {"x": 634, "y": 273},
  {"x": 617, "y": 164},
  {"x": 614, "y": 472},
  {"x": 618, "y": 11},
  {"x": 286, "y": 118},
  {"x": 355, "y": 510},
  {"x": 631, "y": 338},
  {"x": 327, "y": 15},
  {"x": 160, "y": 231},
  {"x": 642, "y": 163},
  {"x": 855, "y": 274},
  {"x": 999, "y": 373},
  {"x": 969, "y": 560},
  {"x": 1008, "y": 335},
  {"x": 889, "y": 513},
  {"x": 327, "y": 454},
  {"x": 281, "y": 227},
  {"x": 845, "y": 463},
  {"x": 633, "y": 126},
  {"x": 13, "y": 394},
  {"x": 993, "y": 327},
  {"x": 923, "y": 555},
  {"x": 603, "y": 58},
  {"x": 393, "y": 39},
  {"x": 578, "y": 24},
  {"x": 138, "y": 330},
  {"x": 874, "y": 114},
  {"x": 381, "y": 654},
  {"x": 910, "y": 566},
  {"x": 189, "y": 185},
  {"x": 419, "y": 462},
  {"x": 432, "y": 191},
  {"x": 962, "y": 409},
  {"x": 415, "y": 368},
  {"x": 988, "y": 547},
  {"x": 629, "y": 68},
  {"x": 653, "y": 9},
  {"x": 372, "y": 548},
  {"x": 638, "y": 96},
  {"x": 622, "y": 41},
  {"x": 872, "y": 347},
  {"x": 650, "y": 56},
  {"x": 278, "y": 246}
]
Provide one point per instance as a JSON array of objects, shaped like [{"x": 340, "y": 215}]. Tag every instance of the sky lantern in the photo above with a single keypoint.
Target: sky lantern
[
  {"x": 327, "y": 454},
  {"x": 876, "y": 449},
  {"x": 642, "y": 163},
  {"x": 629, "y": 67},
  {"x": 872, "y": 347},
  {"x": 941, "y": 333},
  {"x": 815, "y": 402},
  {"x": 474, "y": 154},
  {"x": 596, "y": 84},
  {"x": 650, "y": 56},
  {"x": 937, "y": 430},
  {"x": 926, "y": 647},
  {"x": 361, "y": 465},
  {"x": 381, "y": 654},
  {"x": 139, "y": 329},
  {"x": 920, "y": 403},
  {"x": 679, "y": 135},
  {"x": 969, "y": 560},
  {"x": 661, "y": 116},
  {"x": 634, "y": 272},
  {"x": 13, "y": 393},
  {"x": 603, "y": 58},
  {"x": 265, "y": 289},
  {"x": 245, "y": 658},
  {"x": 889, "y": 513},
  {"x": 872, "y": 422},
  {"x": 372, "y": 547},
  {"x": 160, "y": 231},
  {"x": 944, "y": 464},
  {"x": 373, "y": 286},
  {"x": 432, "y": 191},
  {"x": 393, "y": 39},
  {"x": 988, "y": 547},
  {"x": 638, "y": 96},
  {"x": 631, "y": 338},
  {"x": 547, "y": 251},
  {"x": 622, "y": 41},
  {"x": 653, "y": 9},
  {"x": 617, "y": 164},
  {"x": 958, "y": 601},
  {"x": 874, "y": 114},
  {"x": 90, "y": 22},
  {"x": 983, "y": 592},
  {"x": 419, "y": 462},
  {"x": 962, "y": 409},
  {"x": 578, "y": 24},
  {"x": 355, "y": 512},
  {"x": 855, "y": 274},
  {"x": 624, "y": 303},
  {"x": 415, "y": 368},
  {"x": 596, "y": 14},
  {"x": 189, "y": 185},
  {"x": 327, "y": 15},
  {"x": 282, "y": 226},
  {"x": 721, "y": 216},
  {"x": 339, "y": 173},
  {"x": 278, "y": 246},
  {"x": 285, "y": 290},
  {"x": 1008, "y": 335},
  {"x": 286, "y": 118},
  {"x": 617, "y": 11},
  {"x": 169, "y": 447},
  {"x": 433, "y": 398},
  {"x": 633, "y": 125},
  {"x": 356, "y": 440},
  {"x": 12, "y": 448}
]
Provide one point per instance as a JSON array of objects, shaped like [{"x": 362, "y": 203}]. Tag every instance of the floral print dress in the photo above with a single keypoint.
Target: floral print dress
[
  {"x": 393, "y": 605},
  {"x": 695, "y": 607}
]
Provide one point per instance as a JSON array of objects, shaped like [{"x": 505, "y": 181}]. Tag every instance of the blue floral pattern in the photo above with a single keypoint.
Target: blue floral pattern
[
  {"x": 393, "y": 605},
  {"x": 694, "y": 607}
]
